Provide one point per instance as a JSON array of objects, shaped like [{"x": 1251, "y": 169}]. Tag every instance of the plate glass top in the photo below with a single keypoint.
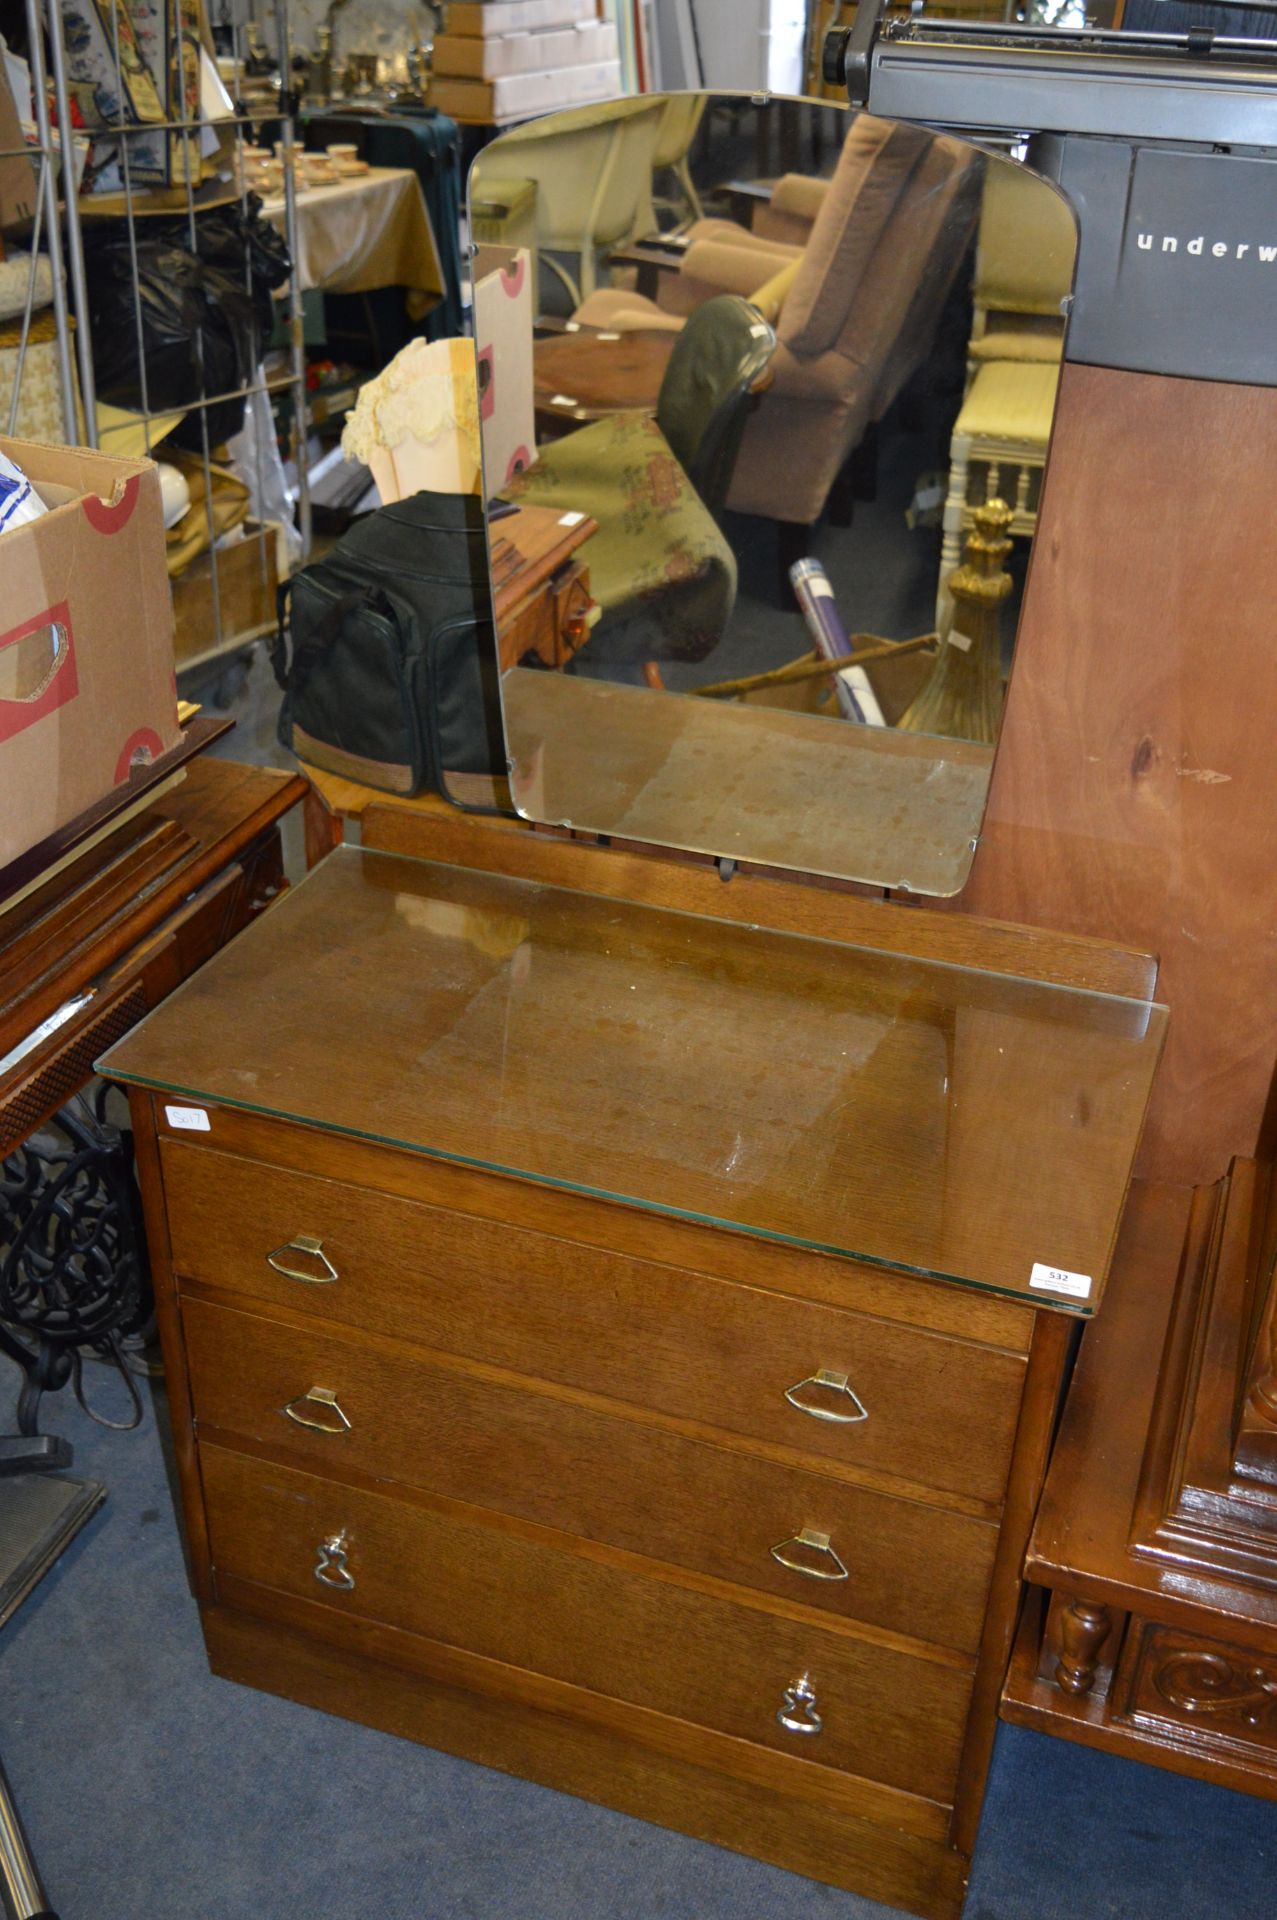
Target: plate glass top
[{"x": 931, "y": 1117}]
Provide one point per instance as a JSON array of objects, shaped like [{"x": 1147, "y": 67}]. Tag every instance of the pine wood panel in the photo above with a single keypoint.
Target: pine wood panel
[{"x": 1134, "y": 790}]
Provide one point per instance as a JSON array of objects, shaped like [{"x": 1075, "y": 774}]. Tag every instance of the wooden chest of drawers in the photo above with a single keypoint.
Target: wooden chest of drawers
[{"x": 719, "y": 1529}]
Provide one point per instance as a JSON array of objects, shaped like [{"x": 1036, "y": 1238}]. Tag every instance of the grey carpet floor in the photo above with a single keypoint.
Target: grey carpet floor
[{"x": 152, "y": 1791}]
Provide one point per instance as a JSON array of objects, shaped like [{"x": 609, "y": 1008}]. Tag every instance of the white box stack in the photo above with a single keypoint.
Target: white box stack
[{"x": 504, "y": 60}]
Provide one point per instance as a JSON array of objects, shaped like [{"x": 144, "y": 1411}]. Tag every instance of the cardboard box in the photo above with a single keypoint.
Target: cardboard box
[
  {"x": 86, "y": 640},
  {"x": 517, "y": 96},
  {"x": 472, "y": 57},
  {"x": 503, "y": 316},
  {"x": 492, "y": 17}
]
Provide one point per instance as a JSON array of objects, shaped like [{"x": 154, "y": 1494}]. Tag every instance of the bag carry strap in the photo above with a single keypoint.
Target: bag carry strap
[{"x": 292, "y": 678}]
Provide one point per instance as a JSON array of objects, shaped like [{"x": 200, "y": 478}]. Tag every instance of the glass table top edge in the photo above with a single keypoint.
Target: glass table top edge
[
  {"x": 183, "y": 1080},
  {"x": 1082, "y": 1310},
  {"x": 660, "y": 909}
]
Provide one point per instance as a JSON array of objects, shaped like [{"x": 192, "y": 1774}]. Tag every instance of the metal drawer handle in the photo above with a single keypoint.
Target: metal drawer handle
[
  {"x": 815, "y": 1544},
  {"x": 307, "y": 1243},
  {"x": 330, "y": 1564},
  {"x": 830, "y": 1383},
  {"x": 797, "y": 1711},
  {"x": 318, "y": 1397}
]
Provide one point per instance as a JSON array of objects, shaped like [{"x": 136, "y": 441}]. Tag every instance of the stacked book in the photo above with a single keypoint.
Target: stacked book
[{"x": 505, "y": 60}]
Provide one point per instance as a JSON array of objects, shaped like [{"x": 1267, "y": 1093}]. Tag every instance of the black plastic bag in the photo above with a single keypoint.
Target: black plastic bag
[{"x": 202, "y": 319}]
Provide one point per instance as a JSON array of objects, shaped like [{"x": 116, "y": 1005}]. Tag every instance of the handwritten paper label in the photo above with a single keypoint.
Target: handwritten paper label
[
  {"x": 193, "y": 1119},
  {"x": 962, "y": 641},
  {"x": 1059, "y": 1280}
]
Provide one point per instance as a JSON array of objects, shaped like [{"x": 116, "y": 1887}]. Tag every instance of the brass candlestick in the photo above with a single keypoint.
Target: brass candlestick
[{"x": 962, "y": 698}]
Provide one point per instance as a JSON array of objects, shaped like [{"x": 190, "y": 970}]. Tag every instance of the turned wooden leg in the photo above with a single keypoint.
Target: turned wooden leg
[{"x": 1084, "y": 1627}]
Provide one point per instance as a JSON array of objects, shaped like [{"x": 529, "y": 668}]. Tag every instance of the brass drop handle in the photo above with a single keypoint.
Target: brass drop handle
[
  {"x": 330, "y": 1418},
  {"x": 797, "y": 1711},
  {"x": 803, "y": 1396},
  {"x": 330, "y": 1564},
  {"x": 810, "y": 1553},
  {"x": 312, "y": 1247}
]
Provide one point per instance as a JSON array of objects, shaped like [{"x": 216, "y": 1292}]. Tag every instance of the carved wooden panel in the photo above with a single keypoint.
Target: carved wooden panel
[{"x": 1217, "y": 1695}]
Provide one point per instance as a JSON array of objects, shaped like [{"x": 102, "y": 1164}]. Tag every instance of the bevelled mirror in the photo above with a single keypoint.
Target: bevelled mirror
[{"x": 766, "y": 393}]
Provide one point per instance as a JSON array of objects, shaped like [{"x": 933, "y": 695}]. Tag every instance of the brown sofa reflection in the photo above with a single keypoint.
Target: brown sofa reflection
[{"x": 857, "y": 306}]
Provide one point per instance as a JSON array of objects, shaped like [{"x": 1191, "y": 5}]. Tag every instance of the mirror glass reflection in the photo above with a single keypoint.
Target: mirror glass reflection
[{"x": 766, "y": 387}]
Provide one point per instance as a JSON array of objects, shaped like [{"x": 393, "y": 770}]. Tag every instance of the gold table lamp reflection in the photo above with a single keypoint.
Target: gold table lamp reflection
[{"x": 962, "y": 699}]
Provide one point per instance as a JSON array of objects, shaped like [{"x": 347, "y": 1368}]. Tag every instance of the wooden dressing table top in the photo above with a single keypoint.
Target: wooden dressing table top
[
  {"x": 528, "y": 546},
  {"x": 584, "y": 375},
  {"x": 935, "y": 1118}
]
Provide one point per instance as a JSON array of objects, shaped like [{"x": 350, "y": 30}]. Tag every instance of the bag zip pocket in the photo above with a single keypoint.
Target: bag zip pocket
[{"x": 391, "y": 624}]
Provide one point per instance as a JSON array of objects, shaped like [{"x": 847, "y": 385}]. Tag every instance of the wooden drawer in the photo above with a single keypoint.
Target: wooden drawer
[
  {"x": 506, "y": 1594},
  {"x": 931, "y": 1410},
  {"x": 915, "y": 1569}
]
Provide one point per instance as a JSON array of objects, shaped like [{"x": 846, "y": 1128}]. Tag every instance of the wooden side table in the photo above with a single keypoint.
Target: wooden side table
[
  {"x": 116, "y": 929},
  {"x": 542, "y": 600},
  {"x": 129, "y": 920},
  {"x": 585, "y": 375},
  {"x": 650, "y": 259},
  {"x": 1151, "y": 1625}
]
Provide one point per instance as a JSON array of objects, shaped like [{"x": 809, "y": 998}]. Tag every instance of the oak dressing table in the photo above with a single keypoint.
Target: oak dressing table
[
  {"x": 615, "y": 1320},
  {"x": 617, "y": 1300}
]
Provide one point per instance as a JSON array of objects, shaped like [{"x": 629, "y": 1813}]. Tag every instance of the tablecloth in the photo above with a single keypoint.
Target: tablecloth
[{"x": 366, "y": 232}]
